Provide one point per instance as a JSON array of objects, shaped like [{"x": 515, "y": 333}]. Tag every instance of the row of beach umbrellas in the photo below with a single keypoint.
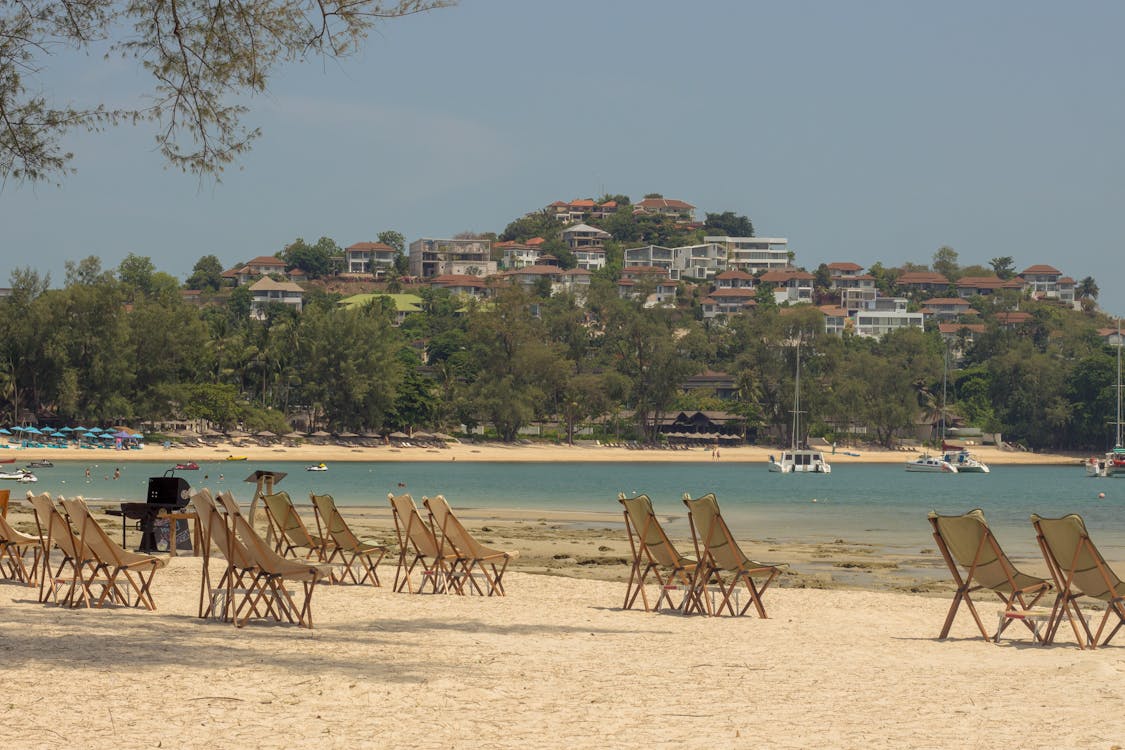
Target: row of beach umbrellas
[{"x": 71, "y": 432}]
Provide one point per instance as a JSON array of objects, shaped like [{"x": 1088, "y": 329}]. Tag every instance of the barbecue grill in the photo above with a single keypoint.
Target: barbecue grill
[{"x": 167, "y": 494}]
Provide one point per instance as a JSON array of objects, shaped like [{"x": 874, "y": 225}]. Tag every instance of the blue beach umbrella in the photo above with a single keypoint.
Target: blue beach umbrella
[
  {"x": 31, "y": 430},
  {"x": 66, "y": 429},
  {"x": 137, "y": 437},
  {"x": 4, "y": 431}
]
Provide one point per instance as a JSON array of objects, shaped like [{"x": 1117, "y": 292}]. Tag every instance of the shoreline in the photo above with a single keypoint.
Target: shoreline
[{"x": 502, "y": 452}]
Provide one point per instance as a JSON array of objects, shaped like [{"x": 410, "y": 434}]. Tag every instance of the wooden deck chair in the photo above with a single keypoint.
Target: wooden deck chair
[
  {"x": 471, "y": 558},
  {"x": 113, "y": 560},
  {"x": 417, "y": 545},
  {"x": 722, "y": 562},
  {"x": 290, "y": 531},
  {"x": 1079, "y": 570},
  {"x": 967, "y": 544},
  {"x": 350, "y": 549},
  {"x": 76, "y": 568},
  {"x": 232, "y": 593},
  {"x": 653, "y": 555},
  {"x": 273, "y": 572},
  {"x": 14, "y": 549}
]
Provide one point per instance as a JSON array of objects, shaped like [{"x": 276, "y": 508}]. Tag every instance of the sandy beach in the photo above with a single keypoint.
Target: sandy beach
[
  {"x": 464, "y": 451},
  {"x": 849, "y": 657},
  {"x": 555, "y": 664}
]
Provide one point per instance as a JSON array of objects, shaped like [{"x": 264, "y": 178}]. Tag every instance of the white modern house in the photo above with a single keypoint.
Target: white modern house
[
  {"x": 753, "y": 254},
  {"x": 886, "y": 314},
  {"x": 701, "y": 261}
]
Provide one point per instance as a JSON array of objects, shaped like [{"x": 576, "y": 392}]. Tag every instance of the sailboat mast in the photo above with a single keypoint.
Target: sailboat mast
[
  {"x": 797, "y": 399},
  {"x": 1118, "y": 443}
]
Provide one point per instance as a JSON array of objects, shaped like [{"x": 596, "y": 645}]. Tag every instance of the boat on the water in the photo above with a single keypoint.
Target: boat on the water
[
  {"x": 965, "y": 462},
  {"x": 40, "y": 464},
  {"x": 235, "y": 458},
  {"x": 931, "y": 465},
  {"x": 1113, "y": 464},
  {"x": 317, "y": 467},
  {"x": 20, "y": 475},
  {"x": 187, "y": 466},
  {"x": 799, "y": 459}
]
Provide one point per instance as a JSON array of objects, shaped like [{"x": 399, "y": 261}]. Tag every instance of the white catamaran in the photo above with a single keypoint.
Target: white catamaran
[{"x": 795, "y": 459}]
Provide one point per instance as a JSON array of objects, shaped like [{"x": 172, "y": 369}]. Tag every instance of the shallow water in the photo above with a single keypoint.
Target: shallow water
[{"x": 878, "y": 504}]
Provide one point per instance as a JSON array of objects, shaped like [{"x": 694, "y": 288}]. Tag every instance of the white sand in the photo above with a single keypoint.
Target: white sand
[{"x": 556, "y": 664}]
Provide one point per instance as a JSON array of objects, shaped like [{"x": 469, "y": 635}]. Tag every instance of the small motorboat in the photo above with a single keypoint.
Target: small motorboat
[
  {"x": 7, "y": 460},
  {"x": 317, "y": 467},
  {"x": 187, "y": 466},
  {"x": 236, "y": 458},
  {"x": 20, "y": 475},
  {"x": 40, "y": 464},
  {"x": 931, "y": 464}
]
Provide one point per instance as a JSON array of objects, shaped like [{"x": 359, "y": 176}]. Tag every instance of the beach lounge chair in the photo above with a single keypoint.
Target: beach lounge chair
[
  {"x": 291, "y": 534},
  {"x": 472, "y": 559},
  {"x": 272, "y": 572},
  {"x": 14, "y": 549},
  {"x": 722, "y": 564},
  {"x": 352, "y": 551},
  {"x": 976, "y": 562},
  {"x": 76, "y": 568},
  {"x": 113, "y": 560},
  {"x": 417, "y": 545},
  {"x": 231, "y": 593},
  {"x": 653, "y": 555},
  {"x": 1079, "y": 570}
]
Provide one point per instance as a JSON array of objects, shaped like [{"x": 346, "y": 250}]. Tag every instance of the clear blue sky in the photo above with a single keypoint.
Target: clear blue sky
[{"x": 870, "y": 131}]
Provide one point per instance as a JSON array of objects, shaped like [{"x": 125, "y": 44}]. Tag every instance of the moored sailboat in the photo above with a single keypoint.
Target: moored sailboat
[{"x": 797, "y": 459}]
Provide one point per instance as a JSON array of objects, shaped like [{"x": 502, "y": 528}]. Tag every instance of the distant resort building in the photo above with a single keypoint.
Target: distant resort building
[
  {"x": 437, "y": 257},
  {"x": 265, "y": 291},
  {"x": 369, "y": 259},
  {"x": 702, "y": 261},
  {"x": 579, "y": 209},
  {"x": 263, "y": 265},
  {"x": 884, "y": 315},
  {"x": 754, "y": 254}
]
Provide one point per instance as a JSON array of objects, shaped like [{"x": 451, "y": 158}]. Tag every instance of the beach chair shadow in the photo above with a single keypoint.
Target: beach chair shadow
[
  {"x": 291, "y": 535},
  {"x": 976, "y": 562},
  {"x": 470, "y": 559},
  {"x": 417, "y": 546},
  {"x": 113, "y": 560},
  {"x": 722, "y": 564},
  {"x": 352, "y": 551},
  {"x": 654, "y": 556},
  {"x": 1079, "y": 571}
]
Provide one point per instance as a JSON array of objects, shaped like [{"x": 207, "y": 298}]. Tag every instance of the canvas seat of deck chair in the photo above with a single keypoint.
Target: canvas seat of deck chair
[
  {"x": 653, "y": 555},
  {"x": 351, "y": 551},
  {"x": 1079, "y": 571},
  {"x": 471, "y": 559},
  {"x": 14, "y": 548},
  {"x": 273, "y": 572},
  {"x": 722, "y": 562},
  {"x": 289, "y": 530},
  {"x": 976, "y": 562},
  {"x": 417, "y": 546},
  {"x": 138, "y": 569}
]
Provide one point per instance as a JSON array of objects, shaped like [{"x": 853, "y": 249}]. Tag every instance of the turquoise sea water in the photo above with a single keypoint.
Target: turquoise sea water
[{"x": 872, "y": 503}]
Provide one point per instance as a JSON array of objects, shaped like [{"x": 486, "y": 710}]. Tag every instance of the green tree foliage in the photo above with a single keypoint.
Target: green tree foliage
[
  {"x": 728, "y": 223},
  {"x": 1003, "y": 266},
  {"x": 945, "y": 263},
  {"x": 315, "y": 260},
  {"x": 205, "y": 58},
  {"x": 1087, "y": 288},
  {"x": 206, "y": 274},
  {"x": 537, "y": 224}
]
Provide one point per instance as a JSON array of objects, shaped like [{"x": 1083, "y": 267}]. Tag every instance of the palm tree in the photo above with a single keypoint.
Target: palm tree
[{"x": 1087, "y": 288}]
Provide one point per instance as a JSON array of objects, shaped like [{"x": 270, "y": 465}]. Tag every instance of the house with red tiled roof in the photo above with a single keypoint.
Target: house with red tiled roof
[
  {"x": 836, "y": 319},
  {"x": 535, "y": 242},
  {"x": 728, "y": 301},
  {"x": 469, "y": 286},
  {"x": 263, "y": 265},
  {"x": 574, "y": 281},
  {"x": 581, "y": 208},
  {"x": 921, "y": 281},
  {"x": 369, "y": 258},
  {"x": 789, "y": 284},
  {"x": 1013, "y": 319},
  {"x": 1111, "y": 336},
  {"x": 735, "y": 279},
  {"x": 843, "y": 270},
  {"x": 959, "y": 336},
  {"x": 666, "y": 207},
  {"x": 982, "y": 286},
  {"x": 947, "y": 308}
]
